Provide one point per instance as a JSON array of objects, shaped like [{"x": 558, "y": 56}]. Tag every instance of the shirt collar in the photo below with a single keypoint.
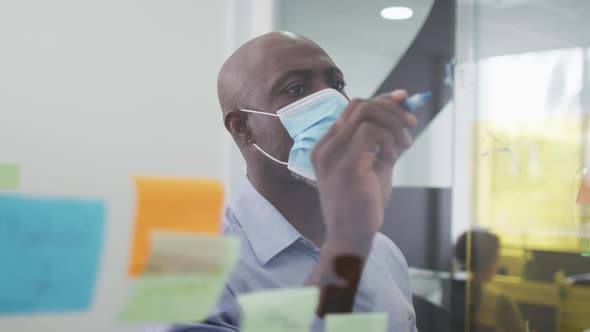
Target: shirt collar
[{"x": 266, "y": 229}]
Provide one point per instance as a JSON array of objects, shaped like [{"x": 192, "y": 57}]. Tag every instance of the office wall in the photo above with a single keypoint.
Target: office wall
[
  {"x": 249, "y": 19},
  {"x": 92, "y": 92}
]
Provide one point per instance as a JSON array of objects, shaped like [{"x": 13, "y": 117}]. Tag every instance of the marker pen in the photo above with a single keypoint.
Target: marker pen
[{"x": 418, "y": 100}]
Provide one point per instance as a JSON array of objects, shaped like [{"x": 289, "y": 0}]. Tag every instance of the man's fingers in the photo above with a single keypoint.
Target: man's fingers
[
  {"x": 407, "y": 118},
  {"x": 399, "y": 95},
  {"x": 388, "y": 153},
  {"x": 380, "y": 112},
  {"x": 399, "y": 98},
  {"x": 372, "y": 145},
  {"x": 376, "y": 109},
  {"x": 353, "y": 104},
  {"x": 321, "y": 150},
  {"x": 384, "y": 111},
  {"x": 398, "y": 126}
]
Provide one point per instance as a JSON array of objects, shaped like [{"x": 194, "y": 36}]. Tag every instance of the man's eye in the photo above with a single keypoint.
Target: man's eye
[
  {"x": 337, "y": 85},
  {"x": 296, "y": 90}
]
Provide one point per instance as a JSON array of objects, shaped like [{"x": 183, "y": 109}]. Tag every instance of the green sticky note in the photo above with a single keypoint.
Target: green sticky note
[
  {"x": 586, "y": 246},
  {"x": 186, "y": 298},
  {"x": 365, "y": 322},
  {"x": 279, "y": 310},
  {"x": 9, "y": 176},
  {"x": 185, "y": 276}
]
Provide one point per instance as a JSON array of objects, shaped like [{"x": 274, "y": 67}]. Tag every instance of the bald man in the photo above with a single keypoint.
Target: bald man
[{"x": 319, "y": 174}]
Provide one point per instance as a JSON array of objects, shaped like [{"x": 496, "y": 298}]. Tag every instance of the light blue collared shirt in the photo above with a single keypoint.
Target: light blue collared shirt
[{"x": 274, "y": 254}]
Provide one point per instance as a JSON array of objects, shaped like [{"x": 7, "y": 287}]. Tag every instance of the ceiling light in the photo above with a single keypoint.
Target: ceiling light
[{"x": 397, "y": 13}]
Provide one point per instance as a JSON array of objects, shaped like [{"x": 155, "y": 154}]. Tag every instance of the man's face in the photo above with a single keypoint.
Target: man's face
[{"x": 289, "y": 70}]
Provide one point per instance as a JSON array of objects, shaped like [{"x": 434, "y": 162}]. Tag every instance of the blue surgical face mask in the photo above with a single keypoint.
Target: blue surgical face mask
[{"x": 307, "y": 121}]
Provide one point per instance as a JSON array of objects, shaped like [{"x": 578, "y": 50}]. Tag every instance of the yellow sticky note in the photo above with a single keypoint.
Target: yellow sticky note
[
  {"x": 184, "y": 277},
  {"x": 365, "y": 322},
  {"x": 279, "y": 310},
  {"x": 9, "y": 176},
  {"x": 177, "y": 204}
]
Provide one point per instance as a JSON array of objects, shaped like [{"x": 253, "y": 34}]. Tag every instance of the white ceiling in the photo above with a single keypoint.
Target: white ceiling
[
  {"x": 505, "y": 26},
  {"x": 519, "y": 26},
  {"x": 352, "y": 24}
]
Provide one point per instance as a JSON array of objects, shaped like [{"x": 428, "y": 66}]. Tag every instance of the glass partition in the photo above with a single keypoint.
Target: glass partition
[
  {"x": 526, "y": 250},
  {"x": 490, "y": 205}
]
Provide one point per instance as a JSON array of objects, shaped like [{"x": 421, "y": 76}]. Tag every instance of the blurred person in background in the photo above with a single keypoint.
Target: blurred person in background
[{"x": 488, "y": 309}]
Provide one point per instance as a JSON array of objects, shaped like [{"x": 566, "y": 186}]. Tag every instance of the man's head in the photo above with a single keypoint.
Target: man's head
[
  {"x": 266, "y": 74},
  {"x": 483, "y": 253}
]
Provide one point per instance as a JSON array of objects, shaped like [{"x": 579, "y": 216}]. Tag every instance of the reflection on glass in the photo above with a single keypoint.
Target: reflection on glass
[
  {"x": 531, "y": 189},
  {"x": 522, "y": 87}
]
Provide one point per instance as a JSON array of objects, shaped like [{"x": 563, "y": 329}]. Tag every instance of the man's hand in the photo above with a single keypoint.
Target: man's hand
[{"x": 354, "y": 166}]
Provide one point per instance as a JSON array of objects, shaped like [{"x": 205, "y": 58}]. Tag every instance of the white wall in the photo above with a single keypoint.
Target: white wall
[
  {"x": 429, "y": 162},
  {"x": 92, "y": 92},
  {"x": 249, "y": 19}
]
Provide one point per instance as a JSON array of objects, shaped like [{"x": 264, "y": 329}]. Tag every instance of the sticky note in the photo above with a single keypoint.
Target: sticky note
[
  {"x": 177, "y": 204},
  {"x": 9, "y": 176},
  {"x": 184, "y": 277},
  {"x": 365, "y": 322},
  {"x": 279, "y": 310},
  {"x": 49, "y": 253},
  {"x": 177, "y": 252}
]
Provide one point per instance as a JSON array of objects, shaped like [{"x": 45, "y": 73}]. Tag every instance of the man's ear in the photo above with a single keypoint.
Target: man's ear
[{"x": 236, "y": 123}]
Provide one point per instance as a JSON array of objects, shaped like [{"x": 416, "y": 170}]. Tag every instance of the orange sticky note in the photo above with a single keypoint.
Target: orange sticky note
[
  {"x": 175, "y": 204},
  {"x": 584, "y": 193}
]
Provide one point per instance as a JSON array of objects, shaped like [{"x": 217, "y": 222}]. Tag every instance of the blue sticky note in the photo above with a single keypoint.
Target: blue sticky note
[{"x": 49, "y": 253}]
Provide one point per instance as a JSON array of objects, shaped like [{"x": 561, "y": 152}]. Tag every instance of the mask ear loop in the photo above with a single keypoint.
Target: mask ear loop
[
  {"x": 259, "y": 112},
  {"x": 269, "y": 156},
  {"x": 256, "y": 145}
]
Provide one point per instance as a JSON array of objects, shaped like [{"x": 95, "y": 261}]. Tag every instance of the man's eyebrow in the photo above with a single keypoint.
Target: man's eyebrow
[
  {"x": 303, "y": 72},
  {"x": 333, "y": 71}
]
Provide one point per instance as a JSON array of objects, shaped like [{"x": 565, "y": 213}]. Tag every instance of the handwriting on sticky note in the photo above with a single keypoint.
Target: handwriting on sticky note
[
  {"x": 49, "y": 253},
  {"x": 365, "y": 322},
  {"x": 279, "y": 310},
  {"x": 184, "y": 277},
  {"x": 9, "y": 176},
  {"x": 177, "y": 204}
]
